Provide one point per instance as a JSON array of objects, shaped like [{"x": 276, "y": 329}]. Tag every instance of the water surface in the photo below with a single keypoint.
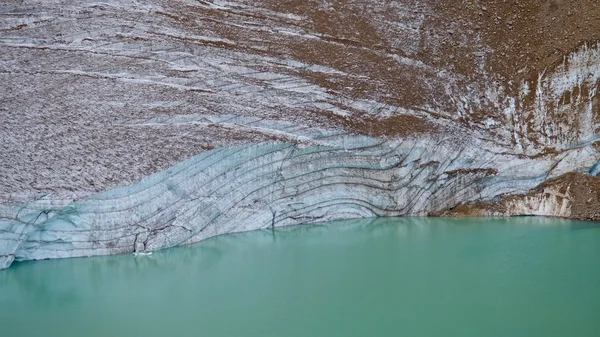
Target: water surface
[{"x": 383, "y": 277}]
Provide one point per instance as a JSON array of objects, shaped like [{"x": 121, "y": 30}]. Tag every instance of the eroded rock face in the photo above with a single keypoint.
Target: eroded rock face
[
  {"x": 138, "y": 126},
  {"x": 572, "y": 195}
]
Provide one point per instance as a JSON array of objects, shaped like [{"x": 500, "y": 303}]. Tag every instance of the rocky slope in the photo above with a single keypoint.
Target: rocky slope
[{"x": 133, "y": 126}]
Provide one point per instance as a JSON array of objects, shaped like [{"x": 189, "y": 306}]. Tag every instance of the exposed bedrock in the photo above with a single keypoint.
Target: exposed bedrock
[{"x": 134, "y": 126}]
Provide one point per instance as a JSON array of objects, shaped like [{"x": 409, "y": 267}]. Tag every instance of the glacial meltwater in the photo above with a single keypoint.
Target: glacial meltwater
[{"x": 382, "y": 277}]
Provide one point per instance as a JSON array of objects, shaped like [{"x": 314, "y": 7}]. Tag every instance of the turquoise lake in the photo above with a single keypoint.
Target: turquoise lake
[{"x": 412, "y": 277}]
